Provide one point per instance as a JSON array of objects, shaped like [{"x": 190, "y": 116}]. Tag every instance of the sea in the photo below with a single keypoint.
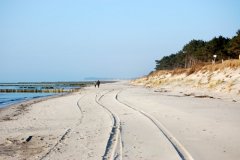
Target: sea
[{"x": 7, "y": 99}]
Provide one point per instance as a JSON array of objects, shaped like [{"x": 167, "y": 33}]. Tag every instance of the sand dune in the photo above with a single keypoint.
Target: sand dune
[
  {"x": 121, "y": 121},
  {"x": 221, "y": 80}
]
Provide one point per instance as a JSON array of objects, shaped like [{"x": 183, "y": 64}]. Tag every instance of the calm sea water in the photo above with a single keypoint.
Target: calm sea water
[{"x": 7, "y": 99}]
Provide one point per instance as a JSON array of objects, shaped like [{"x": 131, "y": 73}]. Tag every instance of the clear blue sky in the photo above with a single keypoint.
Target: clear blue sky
[{"x": 61, "y": 40}]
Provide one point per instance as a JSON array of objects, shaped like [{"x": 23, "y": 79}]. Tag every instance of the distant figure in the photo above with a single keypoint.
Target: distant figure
[
  {"x": 95, "y": 83},
  {"x": 98, "y": 83}
]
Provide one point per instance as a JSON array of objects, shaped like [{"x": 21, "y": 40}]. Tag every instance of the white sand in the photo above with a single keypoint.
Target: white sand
[{"x": 121, "y": 121}]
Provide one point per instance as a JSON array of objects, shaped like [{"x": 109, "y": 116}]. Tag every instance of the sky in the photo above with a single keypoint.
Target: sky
[{"x": 69, "y": 40}]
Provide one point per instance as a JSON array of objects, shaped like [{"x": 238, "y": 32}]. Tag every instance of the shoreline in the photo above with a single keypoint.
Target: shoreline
[
  {"x": 81, "y": 125},
  {"x": 21, "y": 116},
  {"x": 24, "y": 104},
  {"x": 38, "y": 99},
  {"x": 20, "y": 100}
]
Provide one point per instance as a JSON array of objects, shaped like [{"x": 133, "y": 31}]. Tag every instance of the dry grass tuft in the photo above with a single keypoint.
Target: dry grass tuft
[
  {"x": 155, "y": 82},
  {"x": 137, "y": 81},
  {"x": 153, "y": 74},
  {"x": 198, "y": 82},
  {"x": 197, "y": 67},
  {"x": 158, "y": 73},
  {"x": 187, "y": 80},
  {"x": 177, "y": 85},
  {"x": 147, "y": 83},
  {"x": 209, "y": 77},
  {"x": 230, "y": 84},
  {"x": 232, "y": 63},
  {"x": 213, "y": 84},
  {"x": 179, "y": 71}
]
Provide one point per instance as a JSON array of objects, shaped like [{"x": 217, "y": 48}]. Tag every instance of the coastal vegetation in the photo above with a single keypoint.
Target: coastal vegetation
[
  {"x": 193, "y": 67},
  {"x": 202, "y": 51},
  {"x": 221, "y": 77}
]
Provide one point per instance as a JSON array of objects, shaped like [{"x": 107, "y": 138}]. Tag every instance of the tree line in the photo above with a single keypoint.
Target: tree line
[{"x": 201, "y": 51}]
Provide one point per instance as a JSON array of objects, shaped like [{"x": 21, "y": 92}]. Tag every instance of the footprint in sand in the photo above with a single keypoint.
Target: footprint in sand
[
  {"x": 90, "y": 154},
  {"x": 137, "y": 157},
  {"x": 134, "y": 138}
]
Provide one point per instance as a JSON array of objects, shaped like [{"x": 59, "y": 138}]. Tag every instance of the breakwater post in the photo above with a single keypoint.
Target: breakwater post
[{"x": 39, "y": 91}]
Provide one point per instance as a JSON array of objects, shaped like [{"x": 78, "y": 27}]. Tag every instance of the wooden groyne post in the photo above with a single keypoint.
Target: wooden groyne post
[{"x": 38, "y": 91}]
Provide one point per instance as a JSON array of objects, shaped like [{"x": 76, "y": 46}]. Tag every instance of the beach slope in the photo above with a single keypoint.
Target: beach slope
[{"x": 121, "y": 121}]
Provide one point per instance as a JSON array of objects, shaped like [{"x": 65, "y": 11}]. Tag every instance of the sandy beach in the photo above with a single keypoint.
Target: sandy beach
[{"x": 122, "y": 121}]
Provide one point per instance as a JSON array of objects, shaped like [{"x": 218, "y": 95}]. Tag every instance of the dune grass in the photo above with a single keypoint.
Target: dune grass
[
  {"x": 232, "y": 63},
  {"x": 160, "y": 77},
  {"x": 213, "y": 84},
  {"x": 200, "y": 66},
  {"x": 187, "y": 80},
  {"x": 196, "y": 67},
  {"x": 180, "y": 71},
  {"x": 230, "y": 84},
  {"x": 137, "y": 81},
  {"x": 198, "y": 82}
]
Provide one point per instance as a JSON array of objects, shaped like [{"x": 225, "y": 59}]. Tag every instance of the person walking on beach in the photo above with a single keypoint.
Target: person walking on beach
[
  {"x": 98, "y": 83},
  {"x": 95, "y": 83}
]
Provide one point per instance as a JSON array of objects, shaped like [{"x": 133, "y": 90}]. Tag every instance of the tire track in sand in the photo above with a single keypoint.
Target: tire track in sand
[
  {"x": 114, "y": 145},
  {"x": 67, "y": 134},
  {"x": 183, "y": 153}
]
